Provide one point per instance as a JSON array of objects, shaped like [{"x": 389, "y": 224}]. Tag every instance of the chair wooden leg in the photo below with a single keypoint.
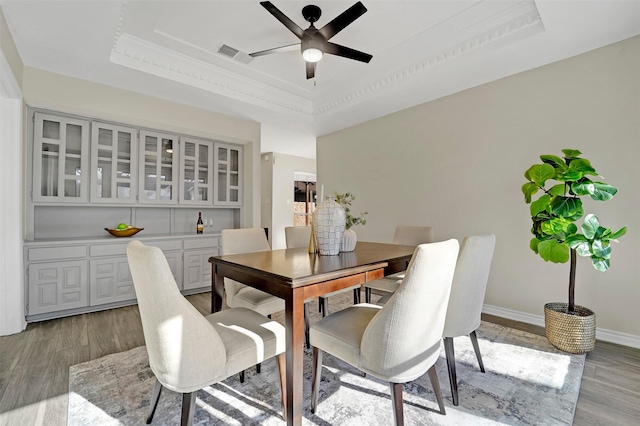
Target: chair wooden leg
[
  {"x": 325, "y": 306},
  {"x": 258, "y": 367},
  {"x": 282, "y": 369},
  {"x": 306, "y": 325},
  {"x": 436, "y": 388},
  {"x": 367, "y": 294},
  {"x": 155, "y": 397},
  {"x": 315, "y": 378},
  {"x": 396, "y": 402},
  {"x": 476, "y": 348},
  {"x": 356, "y": 296},
  {"x": 188, "y": 408},
  {"x": 241, "y": 376},
  {"x": 451, "y": 366}
]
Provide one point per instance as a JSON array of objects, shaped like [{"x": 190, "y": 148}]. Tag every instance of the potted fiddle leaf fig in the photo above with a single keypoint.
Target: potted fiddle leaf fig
[
  {"x": 349, "y": 238},
  {"x": 558, "y": 239}
]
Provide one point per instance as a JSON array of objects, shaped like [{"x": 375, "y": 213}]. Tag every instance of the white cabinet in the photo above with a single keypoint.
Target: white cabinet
[
  {"x": 158, "y": 172},
  {"x": 110, "y": 281},
  {"x": 60, "y": 159},
  {"x": 93, "y": 162},
  {"x": 114, "y": 163},
  {"x": 88, "y": 275},
  {"x": 197, "y": 269},
  {"x": 57, "y": 286},
  {"x": 228, "y": 175},
  {"x": 175, "y": 264},
  {"x": 196, "y": 171}
]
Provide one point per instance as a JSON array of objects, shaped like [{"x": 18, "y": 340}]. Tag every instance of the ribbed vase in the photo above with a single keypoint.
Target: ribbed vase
[
  {"x": 329, "y": 221},
  {"x": 349, "y": 240}
]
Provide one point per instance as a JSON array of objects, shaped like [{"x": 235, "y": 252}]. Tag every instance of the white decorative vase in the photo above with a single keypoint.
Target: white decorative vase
[
  {"x": 329, "y": 221},
  {"x": 349, "y": 240}
]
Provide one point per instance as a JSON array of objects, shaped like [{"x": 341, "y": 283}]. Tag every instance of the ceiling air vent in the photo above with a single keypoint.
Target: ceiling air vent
[{"x": 234, "y": 54}]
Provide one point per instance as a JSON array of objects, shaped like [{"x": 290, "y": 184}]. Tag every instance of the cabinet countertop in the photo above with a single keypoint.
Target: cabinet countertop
[{"x": 111, "y": 239}]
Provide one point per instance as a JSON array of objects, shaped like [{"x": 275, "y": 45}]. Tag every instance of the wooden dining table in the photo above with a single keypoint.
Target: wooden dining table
[{"x": 296, "y": 275}]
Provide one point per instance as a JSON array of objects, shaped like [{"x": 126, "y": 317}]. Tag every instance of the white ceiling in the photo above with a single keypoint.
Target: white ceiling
[{"x": 422, "y": 50}]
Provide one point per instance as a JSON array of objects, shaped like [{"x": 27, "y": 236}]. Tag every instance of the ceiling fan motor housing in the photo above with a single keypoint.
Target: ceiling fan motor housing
[{"x": 311, "y": 13}]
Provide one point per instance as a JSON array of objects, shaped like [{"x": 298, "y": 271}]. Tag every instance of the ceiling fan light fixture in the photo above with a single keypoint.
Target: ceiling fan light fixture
[
  {"x": 311, "y": 50},
  {"x": 312, "y": 54}
]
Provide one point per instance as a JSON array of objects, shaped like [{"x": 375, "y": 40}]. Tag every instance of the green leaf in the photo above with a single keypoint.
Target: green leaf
[
  {"x": 590, "y": 226},
  {"x": 551, "y": 250},
  {"x": 539, "y": 173},
  {"x": 533, "y": 244},
  {"x": 528, "y": 189},
  {"x": 619, "y": 233},
  {"x": 575, "y": 239},
  {"x": 555, "y": 161},
  {"x": 581, "y": 165},
  {"x": 582, "y": 249},
  {"x": 580, "y": 244},
  {"x": 578, "y": 168},
  {"x": 603, "y": 191},
  {"x": 558, "y": 226},
  {"x": 558, "y": 190},
  {"x": 600, "y": 264},
  {"x": 583, "y": 187},
  {"x": 601, "y": 249},
  {"x": 571, "y": 153},
  {"x": 540, "y": 204},
  {"x": 569, "y": 207}
]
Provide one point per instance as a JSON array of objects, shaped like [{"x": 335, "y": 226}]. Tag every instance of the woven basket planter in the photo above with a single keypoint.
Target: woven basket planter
[{"x": 573, "y": 333}]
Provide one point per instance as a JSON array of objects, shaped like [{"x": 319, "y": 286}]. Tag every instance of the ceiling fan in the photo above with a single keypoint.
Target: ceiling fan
[{"x": 315, "y": 42}]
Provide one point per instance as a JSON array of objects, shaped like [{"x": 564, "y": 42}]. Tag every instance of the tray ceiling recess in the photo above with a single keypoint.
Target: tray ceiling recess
[{"x": 186, "y": 47}]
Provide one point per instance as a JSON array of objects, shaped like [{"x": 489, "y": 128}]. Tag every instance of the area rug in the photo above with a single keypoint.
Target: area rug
[{"x": 527, "y": 381}]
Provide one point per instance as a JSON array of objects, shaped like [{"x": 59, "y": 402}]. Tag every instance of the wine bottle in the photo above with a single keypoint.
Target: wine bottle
[{"x": 199, "y": 225}]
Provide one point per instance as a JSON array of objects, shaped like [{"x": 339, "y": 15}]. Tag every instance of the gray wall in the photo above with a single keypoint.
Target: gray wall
[{"x": 457, "y": 164}]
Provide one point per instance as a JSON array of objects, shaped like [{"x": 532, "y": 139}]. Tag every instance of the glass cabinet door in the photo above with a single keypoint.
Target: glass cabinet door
[
  {"x": 113, "y": 163},
  {"x": 61, "y": 161},
  {"x": 157, "y": 168},
  {"x": 196, "y": 159},
  {"x": 228, "y": 172}
]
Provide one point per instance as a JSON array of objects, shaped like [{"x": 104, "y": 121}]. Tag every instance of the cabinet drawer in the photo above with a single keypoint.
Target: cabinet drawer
[
  {"x": 55, "y": 253},
  {"x": 166, "y": 245},
  {"x": 121, "y": 249},
  {"x": 202, "y": 243},
  {"x": 108, "y": 250}
]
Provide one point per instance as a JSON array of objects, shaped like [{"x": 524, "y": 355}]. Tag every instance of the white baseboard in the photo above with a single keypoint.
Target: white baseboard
[{"x": 601, "y": 333}]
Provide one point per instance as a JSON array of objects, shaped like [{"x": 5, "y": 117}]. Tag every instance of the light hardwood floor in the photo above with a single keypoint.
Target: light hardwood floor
[{"x": 34, "y": 367}]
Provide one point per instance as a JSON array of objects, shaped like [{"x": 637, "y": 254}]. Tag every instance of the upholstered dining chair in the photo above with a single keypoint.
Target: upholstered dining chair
[
  {"x": 467, "y": 298},
  {"x": 406, "y": 236},
  {"x": 399, "y": 341},
  {"x": 299, "y": 236},
  {"x": 188, "y": 351},
  {"x": 238, "y": 295}
]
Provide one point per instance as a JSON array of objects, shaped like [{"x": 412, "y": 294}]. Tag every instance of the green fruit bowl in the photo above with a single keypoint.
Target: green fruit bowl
[{"x": 123, "y": 232}]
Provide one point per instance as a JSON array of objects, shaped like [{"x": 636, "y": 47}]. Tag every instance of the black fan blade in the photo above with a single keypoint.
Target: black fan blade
[
  {"x": 342, "y": 20},
  {"x": 346, "y": 52},
  {"x": 293, "y": 27},
  {"x": 280, "y": 49},
  {"x": 311, "y": 70}
]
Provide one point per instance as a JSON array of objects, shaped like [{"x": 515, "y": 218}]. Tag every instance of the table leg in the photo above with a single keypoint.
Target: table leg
[
  {"x": 294, "y": 322},
  {"x": 217, "y": 290}
]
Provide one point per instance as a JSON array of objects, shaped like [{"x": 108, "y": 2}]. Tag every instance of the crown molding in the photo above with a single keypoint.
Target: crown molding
[
  {"x": 512, "y": 24},
  {"x": 144, "y": 56}
]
